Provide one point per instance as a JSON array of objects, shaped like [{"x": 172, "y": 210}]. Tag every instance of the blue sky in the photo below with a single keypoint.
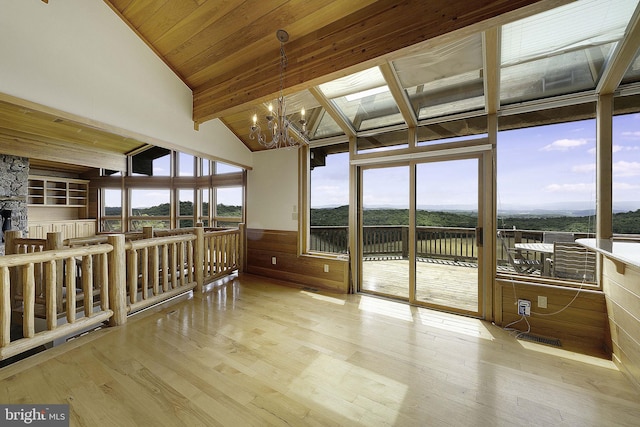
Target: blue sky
[{"x": 537, "y": 167}]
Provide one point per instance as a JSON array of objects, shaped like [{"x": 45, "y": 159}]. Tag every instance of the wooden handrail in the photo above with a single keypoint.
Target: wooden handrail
[{"x": 124, "y": 275}]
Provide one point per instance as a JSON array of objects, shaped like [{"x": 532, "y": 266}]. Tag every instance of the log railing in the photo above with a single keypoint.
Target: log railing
[
  {"x": 88, "y": 281},
  {"x": 159, "y": 268},
  {"x": 222, "y": 253},
  {"x": 24, "y": 265}
]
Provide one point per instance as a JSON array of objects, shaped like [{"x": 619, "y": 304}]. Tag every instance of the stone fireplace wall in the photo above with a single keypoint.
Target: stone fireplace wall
[{"x": 14, "y": 187}]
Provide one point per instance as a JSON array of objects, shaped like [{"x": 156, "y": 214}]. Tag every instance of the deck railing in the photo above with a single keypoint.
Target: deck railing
[
  {"x": 85, "y": 282},
  {"x": 453, "y": 243}
]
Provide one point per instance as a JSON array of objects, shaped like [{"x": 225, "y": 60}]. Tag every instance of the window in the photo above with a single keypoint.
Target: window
[
  {"x": 112, "y": 210},
  {"x": 150, "y": 208},
  {"x": 204, "y": 206},
  {"x": 155, "y": 161},
  {"x": 329, "y": 195},
  {"x": 177, "y": 194},
  {"x": 626, "y": 174},
  {"x": 228, "y": 206},
  {"x": 186, "y": 163},
  {"x": 222, "y": 168},
  {"x": 185, "y": 208},
  {"x": 546, "y": 193}
]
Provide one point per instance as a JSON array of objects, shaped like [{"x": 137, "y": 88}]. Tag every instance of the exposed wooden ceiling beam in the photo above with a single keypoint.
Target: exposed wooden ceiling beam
[{"x": 366, "y": 35}]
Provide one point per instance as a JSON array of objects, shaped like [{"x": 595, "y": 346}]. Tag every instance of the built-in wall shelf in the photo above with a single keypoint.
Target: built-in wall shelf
[{"x": 54, "y": 191}]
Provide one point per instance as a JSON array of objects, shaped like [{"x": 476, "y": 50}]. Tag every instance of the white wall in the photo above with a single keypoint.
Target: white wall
[
  {"x": 272, "y": 190},
  {"x": 79, "y": 57}
]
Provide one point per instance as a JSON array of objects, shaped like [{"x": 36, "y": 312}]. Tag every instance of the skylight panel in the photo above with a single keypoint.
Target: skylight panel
[
  {"x": 571, "y": 27},
  {"x": 354, "y": 83}
]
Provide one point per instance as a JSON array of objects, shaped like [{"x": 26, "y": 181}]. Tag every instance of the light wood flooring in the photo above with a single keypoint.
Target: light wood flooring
[{"x": 251, "y": 352}]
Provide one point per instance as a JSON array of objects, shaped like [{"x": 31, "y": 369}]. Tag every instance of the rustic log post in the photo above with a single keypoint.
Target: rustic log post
[
  {"x": 147, "y": 232},
  {"x": 10, "y": 249},
  {"x": 9, "y": 241},
  {"x": 132, "y": 276},
  {"x": 199, "y": 258},
  {"x": 242, "y": 227},
  {"x": 54, "y": 241},
  {"x": 28, "y": 300},
  {"x": 51, "y": 286},
  {"x": 87, "y": 284},
  {"x": 70, "y": 283},
  {"x": 117, "y": 280},
  {"x": 5, "y": 307}
]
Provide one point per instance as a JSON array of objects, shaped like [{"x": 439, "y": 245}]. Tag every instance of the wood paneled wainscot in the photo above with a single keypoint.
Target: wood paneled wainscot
[
  {"x": 70, "y": 229},
  {"x": 266, "y": 246},
  {"x": 577, "y": 317},
  {"x": 621, "y": 285}
]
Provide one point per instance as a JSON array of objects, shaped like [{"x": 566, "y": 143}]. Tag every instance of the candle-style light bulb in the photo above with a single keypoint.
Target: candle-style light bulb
[
  {"x": 270, "y": 108},
  {"x": 302, "y": 112},
  {"x": 255, "y": 119}
]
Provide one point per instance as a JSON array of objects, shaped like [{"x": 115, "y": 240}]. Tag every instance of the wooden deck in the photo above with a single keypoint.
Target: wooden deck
[
  {"x": 442, "y": 283},
  {"x": 251, "y": 352}
]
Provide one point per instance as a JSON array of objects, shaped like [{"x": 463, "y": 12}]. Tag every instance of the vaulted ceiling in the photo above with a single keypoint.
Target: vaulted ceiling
[{"x": 228, "y": 54}]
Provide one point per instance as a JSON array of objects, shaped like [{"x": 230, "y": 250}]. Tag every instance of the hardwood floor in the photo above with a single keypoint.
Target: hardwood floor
[{"x": 253, "y": 352}]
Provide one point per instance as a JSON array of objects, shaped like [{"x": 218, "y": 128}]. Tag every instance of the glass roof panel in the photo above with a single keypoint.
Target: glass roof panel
[
  {"x": 364, "y": 99},
  {"x": 445, "y": 79},
  {"x": 563, "y": 74},
  {"x": 562, "y": 50},
  {"x": 324, "y": 126},
  {"x": 319, "y": 123},
  {"x": 573, "y": 26},
  {"x": 632, "y": 75}
]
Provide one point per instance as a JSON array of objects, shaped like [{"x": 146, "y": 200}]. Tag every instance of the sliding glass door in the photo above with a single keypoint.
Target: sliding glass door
[
  {"x": 384, "y": 231},
  {"x": 447, "y": 273},
  {"x": 418, "y": 232}
]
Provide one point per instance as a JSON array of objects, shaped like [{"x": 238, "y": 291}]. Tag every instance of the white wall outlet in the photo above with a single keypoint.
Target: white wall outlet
[
  {"x": 295, "y": 208},
  {"x": 273, "y": 260},
  {"x": 524, "y": 307},
  {"x": 326, "y": 268},
  {"x": 542, "y": 301},
  {"x": 294, "y": 216}
]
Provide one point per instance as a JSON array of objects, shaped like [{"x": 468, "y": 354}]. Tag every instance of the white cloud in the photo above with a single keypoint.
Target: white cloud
[
  {"x": 585, "y": 168},
  {"x": 570, "y": 188},
  {"x": 564, "y": 144},
  {"x": 623, "y": 168},
  {"x": 632, "y": 135},
  {"x": 617, "y": 148},
  {"x": 625, "y": 186}
]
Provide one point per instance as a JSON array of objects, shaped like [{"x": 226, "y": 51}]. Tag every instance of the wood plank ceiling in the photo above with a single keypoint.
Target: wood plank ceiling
[{"x": 227, "y": 52}]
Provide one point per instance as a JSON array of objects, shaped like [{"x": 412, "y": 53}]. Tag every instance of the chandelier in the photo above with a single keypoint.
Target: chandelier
[{"x": 280, "y": 130}]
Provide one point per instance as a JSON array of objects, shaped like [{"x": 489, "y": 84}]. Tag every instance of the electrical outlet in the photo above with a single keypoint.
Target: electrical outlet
[
  {"x": 524, "y": 307},
  {"x": 542, "y": 301},
  {"x": 273, "y": 260},
  {"x": 326, "y": 268}
]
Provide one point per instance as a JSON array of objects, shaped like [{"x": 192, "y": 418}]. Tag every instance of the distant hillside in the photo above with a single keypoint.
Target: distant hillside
[
  {"x": 186, "y": 208},
  {"x": 627, "y": 222}
]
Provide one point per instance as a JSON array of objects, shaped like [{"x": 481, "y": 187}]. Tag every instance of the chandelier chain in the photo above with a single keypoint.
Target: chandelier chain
[{"x": 278, "y": 123}]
